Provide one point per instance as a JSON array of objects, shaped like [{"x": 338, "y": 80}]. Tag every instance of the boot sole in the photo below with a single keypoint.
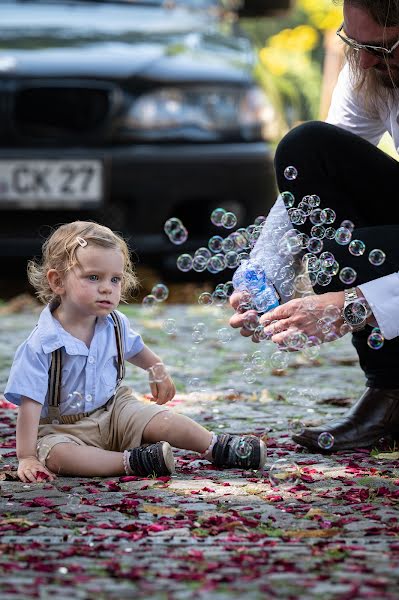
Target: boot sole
[
  {"x": 168, "y": 457},
  {"x": 311, "y": 445}
]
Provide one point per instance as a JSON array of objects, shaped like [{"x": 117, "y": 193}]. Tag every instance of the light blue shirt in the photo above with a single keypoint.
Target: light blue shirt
[{"x": 88, "y": 374}]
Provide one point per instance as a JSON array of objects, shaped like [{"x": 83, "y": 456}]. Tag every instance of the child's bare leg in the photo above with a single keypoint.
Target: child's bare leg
[
  {"x": 180, "y": 431},
  {"x": 70, "y": 459}
]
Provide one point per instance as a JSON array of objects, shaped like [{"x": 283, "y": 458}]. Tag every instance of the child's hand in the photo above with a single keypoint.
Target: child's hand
[
  {"x": 31, "y": 470},
  {"x": 161, "y": 384}
]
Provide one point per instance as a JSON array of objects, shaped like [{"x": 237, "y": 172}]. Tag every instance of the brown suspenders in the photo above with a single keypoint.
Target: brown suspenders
[{"x": 54, "y": 379}]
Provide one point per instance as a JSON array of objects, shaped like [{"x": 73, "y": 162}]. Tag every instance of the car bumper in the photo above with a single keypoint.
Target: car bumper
[{"x": 146, "y": 184}]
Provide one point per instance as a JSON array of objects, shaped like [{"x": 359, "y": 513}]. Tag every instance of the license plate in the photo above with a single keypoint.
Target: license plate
[{"x": 51, "y": 183}]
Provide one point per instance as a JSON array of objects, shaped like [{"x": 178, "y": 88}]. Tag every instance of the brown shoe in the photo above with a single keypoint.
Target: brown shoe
[{"x": 375, "y": 415}]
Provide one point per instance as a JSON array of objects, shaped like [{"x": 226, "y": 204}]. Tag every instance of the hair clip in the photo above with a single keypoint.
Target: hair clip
[{"x": 81, "y": 241}]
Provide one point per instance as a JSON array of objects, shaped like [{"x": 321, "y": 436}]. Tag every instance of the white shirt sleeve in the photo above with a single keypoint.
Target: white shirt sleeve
[
  {"x": 347, "y": 111},
  {"x": 382, "y": 294}
]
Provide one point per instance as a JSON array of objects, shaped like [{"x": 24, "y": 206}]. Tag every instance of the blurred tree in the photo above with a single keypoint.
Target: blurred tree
[{"x": 291, "y": 56}]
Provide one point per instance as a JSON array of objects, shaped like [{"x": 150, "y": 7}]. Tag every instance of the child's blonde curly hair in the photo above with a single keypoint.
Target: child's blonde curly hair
[{"x": 59, "y": 253}]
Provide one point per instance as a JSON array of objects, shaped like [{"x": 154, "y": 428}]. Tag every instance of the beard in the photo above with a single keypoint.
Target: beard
[{"x": 387, "y": 76}]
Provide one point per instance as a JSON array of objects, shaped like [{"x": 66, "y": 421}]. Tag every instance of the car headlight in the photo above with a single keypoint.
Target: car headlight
[{"x": 204, "y": 113}]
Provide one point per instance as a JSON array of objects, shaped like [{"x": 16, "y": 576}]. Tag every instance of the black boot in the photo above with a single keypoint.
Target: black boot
[{"x": 375, "y": 415}]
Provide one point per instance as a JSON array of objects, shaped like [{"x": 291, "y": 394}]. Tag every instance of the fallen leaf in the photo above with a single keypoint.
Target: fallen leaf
[
  {"x": 160, "y": 510},
  {"x": 16, "y": 521},
  {"x": 309, "y": 533},
  {"x": 387, "y": 455}
]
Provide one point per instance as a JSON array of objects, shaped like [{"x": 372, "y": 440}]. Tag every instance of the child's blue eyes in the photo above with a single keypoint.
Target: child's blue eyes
[{"x": 95, "y": 278}]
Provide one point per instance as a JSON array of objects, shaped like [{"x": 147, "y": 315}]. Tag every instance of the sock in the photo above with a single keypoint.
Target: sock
[{"x": 208, "y": 452}]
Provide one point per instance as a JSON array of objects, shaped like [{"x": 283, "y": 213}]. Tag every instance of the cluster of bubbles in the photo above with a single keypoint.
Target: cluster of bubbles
[
  {"x": 175, "y": 231},
  {"x": 159, "y": 293},
  {"x": 297, "y": 262},
  {"x": 222, "y": 252}
]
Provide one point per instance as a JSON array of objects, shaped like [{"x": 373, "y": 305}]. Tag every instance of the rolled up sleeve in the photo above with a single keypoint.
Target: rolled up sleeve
[
  {"x": 28, "y": 376},
  {"x": 383, "y": 297}
]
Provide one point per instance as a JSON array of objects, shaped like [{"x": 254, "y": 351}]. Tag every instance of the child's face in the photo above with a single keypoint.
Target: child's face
[{"x": 94, "y": 285}]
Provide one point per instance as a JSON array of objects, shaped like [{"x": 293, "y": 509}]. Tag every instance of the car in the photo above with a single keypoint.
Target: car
[{"x": 129, "y": 113}]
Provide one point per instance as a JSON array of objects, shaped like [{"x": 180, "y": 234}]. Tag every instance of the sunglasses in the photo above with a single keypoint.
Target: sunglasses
[{"x": 378, "y": 51}]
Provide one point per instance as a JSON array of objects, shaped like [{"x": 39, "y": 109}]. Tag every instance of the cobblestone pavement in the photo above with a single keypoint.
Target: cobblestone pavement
[{"x": 331, "y": 534}]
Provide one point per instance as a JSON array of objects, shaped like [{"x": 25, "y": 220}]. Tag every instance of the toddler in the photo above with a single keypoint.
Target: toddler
[{"x": 75, "y": 417}]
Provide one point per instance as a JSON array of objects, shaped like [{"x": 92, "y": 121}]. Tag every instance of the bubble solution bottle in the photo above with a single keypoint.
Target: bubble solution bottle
[{"x": 251, "y": 277}]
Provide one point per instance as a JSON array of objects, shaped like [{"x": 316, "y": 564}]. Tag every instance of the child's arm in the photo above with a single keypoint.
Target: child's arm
[
  {"x": 27, "y": 427},
  {"x": 163, "y": 389}
]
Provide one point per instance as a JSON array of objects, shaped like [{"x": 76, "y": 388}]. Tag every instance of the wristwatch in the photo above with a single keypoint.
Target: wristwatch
[{"x": 356, "y": 310}]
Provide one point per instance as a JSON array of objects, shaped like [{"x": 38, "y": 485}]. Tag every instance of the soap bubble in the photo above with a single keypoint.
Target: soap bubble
[
  {"x": 259, "y": 335},
  {"x": 315, "y": 245},
  {"x": 205, "y": 299},
  {"x": 184, "y": 262},
  {"x": 216, "y": 263},
  {"x": 331, "y": 269},
  {"x": 229, "y": 220},
  {"x": 219, "y": 297},
  {"x": 343, "y": 236},
  {"x": 73, "y": 500},
  {"x": 172, "y": 224},
  {"x": 178, "y": 236},
  {"x": 284, "y": 472},
  {"x": 203, "y": 252},
  {"x": 243, "y": 448},
  {"x": 296, "y": 427},
  {"x": 76, "y": 400},
  {"x": 288, "y": 199},
  {"x": 149, "y": 301},
  {"x": 251, "y": 321},
  {"x": 228, "y": 244},
  {"x": 348, "y": 225},
  {"x": 224, "y": 335},
  {"x": 297, "y": 216},
  {"x": 279, "y": 360},
  {"x": 331, "y": 313},
  {"x": 325, "y": 440},
  {"x": 328, "y": 216},
  {"x": 290, "y": 173},
  {"x": 327, "y": 259},
  {"x": 199, "y": 263},
  {"x": 317, "y": 216},
  {"x": 160, "y": 292},
  {"x": 345, "y": 328},
  {"x": 330, "y": 233},
  {"x": 228, "y": 288},
  {"x": 217, "y": 216},
  {"x": 347, "y": 275},
  {"x": 318, "y": 231},
  {"x": 169, "y": 326},
  {"x": 157, "y": 373},
  {"x": 323, "y": 278},
  {"x": 215, "y": 243},
  {"x": 311, "y": 350},
  {"x": 377, "y": 257},
  {"x": 375, "y": 340},
  {"x": 314, "y": 200},
  {"x": 231, "y": 259},
  {"x": 357, "y": 247},
  {"x": 260, "y": 220},
  {"x": 249, "y": 375}
]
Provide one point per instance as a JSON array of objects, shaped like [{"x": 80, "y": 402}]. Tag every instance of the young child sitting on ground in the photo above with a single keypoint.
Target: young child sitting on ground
[{"x": 75, "y": 417}]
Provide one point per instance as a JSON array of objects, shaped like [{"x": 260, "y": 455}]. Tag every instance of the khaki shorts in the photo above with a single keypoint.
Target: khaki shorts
[{"x": 117, "y": 426}]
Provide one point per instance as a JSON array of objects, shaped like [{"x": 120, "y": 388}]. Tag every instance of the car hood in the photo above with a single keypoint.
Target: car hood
[{"x": 116, "y": 41}]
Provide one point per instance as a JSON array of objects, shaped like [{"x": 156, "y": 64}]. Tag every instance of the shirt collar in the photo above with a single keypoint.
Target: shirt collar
[{"x": 53, "y": 335}]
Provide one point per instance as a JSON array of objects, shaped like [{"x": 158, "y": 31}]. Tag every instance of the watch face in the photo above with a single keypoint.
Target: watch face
[{"x": 355, "y": 313}]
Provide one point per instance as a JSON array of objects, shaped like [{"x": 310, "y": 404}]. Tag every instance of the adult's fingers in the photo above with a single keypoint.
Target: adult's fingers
[{"x": 235, "y": 299}]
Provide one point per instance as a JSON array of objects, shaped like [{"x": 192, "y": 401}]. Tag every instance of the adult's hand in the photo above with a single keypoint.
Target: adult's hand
[
  {"x": 303, "y": 314},
  {"x": 239, "y": 301}
]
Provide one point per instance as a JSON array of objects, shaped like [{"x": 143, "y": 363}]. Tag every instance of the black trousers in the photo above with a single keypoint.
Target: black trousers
[{"x": 360, "y": 183}]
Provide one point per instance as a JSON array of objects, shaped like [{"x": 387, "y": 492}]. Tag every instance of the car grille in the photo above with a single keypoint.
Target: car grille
[{"x": 46, "y": 113}]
